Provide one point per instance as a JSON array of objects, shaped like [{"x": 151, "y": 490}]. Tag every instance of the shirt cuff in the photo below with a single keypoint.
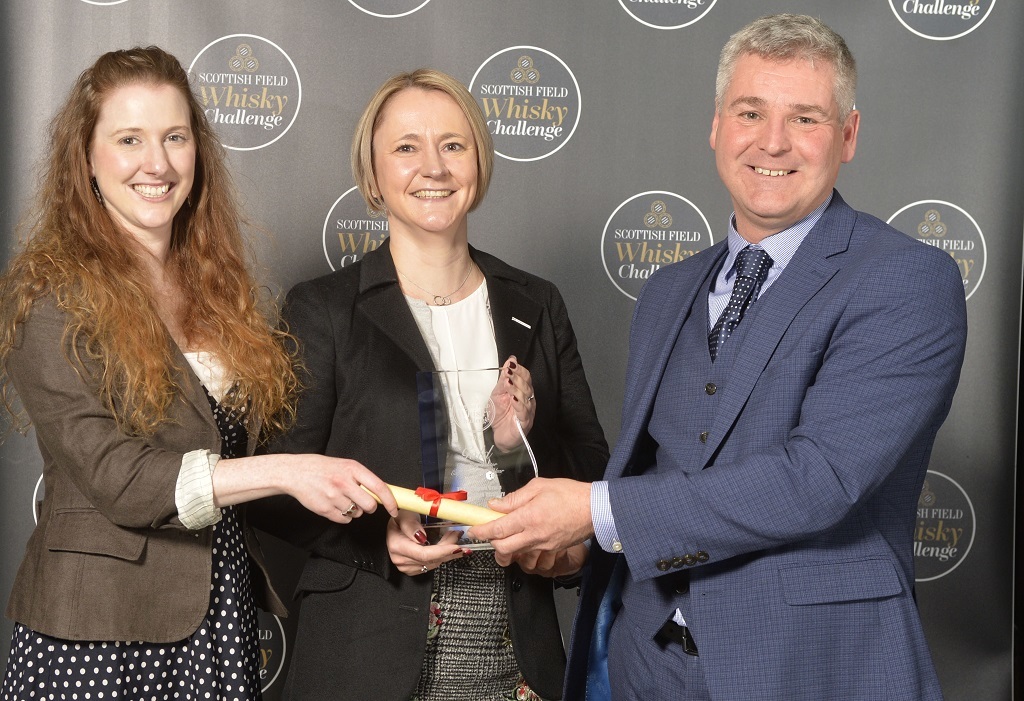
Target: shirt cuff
[
  {"x": 605, "y": 532},
  {"x": 193, "y": 493}
]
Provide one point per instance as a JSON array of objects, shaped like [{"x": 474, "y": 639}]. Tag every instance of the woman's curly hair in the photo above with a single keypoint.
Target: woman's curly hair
[{"x": 89, "y": 265}]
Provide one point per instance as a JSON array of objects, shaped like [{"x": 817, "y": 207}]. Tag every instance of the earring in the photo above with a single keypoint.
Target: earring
[{"x": 96, "y": 191}]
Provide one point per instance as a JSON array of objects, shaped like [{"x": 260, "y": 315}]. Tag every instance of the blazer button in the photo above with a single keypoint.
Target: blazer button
[
  {"x": 517, "y": 584},
  {"x": 703, "y": 436},
  {"x": 677, "y": 562},
  {"x": 710, "y": 388},
  {"x": 690, "y": 560},
  {"x": 702, "y": 556},
  {"x": 663, "y": 565}
]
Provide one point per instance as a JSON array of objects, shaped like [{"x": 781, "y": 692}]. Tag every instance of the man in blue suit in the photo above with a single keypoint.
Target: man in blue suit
[{"x": 753, "y": 536}]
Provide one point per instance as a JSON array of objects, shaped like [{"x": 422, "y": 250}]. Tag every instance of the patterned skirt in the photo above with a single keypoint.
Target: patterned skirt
[
  {"x": 469, "y": 650},
  {"x": 218, "y": 661}
]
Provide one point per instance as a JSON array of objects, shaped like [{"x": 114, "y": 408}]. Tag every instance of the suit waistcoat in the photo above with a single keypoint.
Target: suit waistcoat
[{"x": 689, "y": 391}]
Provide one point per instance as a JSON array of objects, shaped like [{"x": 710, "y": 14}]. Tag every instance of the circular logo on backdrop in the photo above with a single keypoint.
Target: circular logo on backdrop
[
  {"x": 648, "y": 231},
  {"x": 389, "y": 8},
  {"x": 950, "y": 228},
  {"x": 941, "y": 19},
  {"x": 531, "y": 101},
  {"x": 352, "y": 229},
  {"x": 945, "y": 527},
  {"x": 249, "y": 89},
  {"x": 272, "y": 649},
  {"x": 670, "y": 14}
]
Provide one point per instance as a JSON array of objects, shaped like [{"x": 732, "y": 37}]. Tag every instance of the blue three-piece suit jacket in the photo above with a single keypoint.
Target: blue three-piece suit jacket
[{"x": 787, "y": 484}]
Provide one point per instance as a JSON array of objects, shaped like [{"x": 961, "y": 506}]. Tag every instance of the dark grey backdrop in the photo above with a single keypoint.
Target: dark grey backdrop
[{"x": 940, "y": 124}]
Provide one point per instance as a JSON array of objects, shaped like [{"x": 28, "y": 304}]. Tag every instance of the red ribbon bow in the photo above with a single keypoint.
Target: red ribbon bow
[{"x": 434, "y": 496}]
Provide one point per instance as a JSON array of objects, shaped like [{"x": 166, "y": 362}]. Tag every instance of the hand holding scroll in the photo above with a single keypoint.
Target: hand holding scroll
[{"x": 546, "y": 514}]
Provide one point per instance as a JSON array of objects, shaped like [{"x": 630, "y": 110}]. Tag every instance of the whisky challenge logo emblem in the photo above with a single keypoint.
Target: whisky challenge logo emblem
[
  {"x": 272, "y": 649},
  {"x": 667, "y": 15},
  {"x": 531, "y": 101},
  {"x": 389, "y": 8},
  {"x": 941, "y": 20},
  {"x": 648, "y": 231},
  {"x": 945, "y": 527},
  {"x": 249, "y": 89},
  {"x": 352, "y": 229},
  {"x": 951, "y": 229}
]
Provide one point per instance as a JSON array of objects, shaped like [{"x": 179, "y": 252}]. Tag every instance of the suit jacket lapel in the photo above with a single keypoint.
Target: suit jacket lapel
[
  {"x": 807, "y": 273},
  {"x": 515, "y": 316},
  {"x": 191, "y": 388},
  {"x": 384, "y": 306},
  {"x": 649, "y": 354}
]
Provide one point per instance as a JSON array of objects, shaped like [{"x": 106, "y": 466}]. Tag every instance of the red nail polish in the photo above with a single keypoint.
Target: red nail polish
[
  {"x": 420, "y": 537},
  {"x": 512, "y": 365},
  {"x": 466, "y": 552},
  {"x": 457, "y": 551}
]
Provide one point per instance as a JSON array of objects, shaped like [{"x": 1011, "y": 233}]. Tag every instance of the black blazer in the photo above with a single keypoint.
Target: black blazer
[{"x": 362, "y": 625}]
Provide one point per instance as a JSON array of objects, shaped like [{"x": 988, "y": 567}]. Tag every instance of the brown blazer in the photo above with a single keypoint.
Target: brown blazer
[{"x": 109, "y": 559}]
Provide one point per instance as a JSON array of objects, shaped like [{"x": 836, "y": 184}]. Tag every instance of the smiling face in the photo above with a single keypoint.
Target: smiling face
[
  {"x": 424, "y": 163},
  {"x": 779, "y": 143},
  {"x": 143, "y": 156}
]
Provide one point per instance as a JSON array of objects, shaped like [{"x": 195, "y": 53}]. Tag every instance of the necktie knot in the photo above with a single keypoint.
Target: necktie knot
[
  {"x": 753, "y": 263},
  {"x": 752, "y": 266}
]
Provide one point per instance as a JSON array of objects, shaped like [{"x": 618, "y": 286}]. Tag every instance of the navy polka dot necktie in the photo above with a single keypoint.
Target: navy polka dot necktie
[{"x": 752, "y": 265}]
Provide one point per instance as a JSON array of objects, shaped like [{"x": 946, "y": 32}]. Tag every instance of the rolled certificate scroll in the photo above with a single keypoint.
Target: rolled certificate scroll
[{"x": 447, "y": 507}]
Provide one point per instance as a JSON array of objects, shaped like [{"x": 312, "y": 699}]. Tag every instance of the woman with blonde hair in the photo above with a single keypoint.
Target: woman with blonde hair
[
  {"x": 387, "y": 614},
  {"x": 132, "y": 336}
]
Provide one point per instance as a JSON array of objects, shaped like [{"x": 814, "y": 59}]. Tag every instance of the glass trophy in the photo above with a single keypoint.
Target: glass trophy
[{"x": 471, "y": 441}]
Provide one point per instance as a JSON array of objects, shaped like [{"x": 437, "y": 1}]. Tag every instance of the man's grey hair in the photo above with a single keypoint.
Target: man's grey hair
[{"x": 785, "y": 37}]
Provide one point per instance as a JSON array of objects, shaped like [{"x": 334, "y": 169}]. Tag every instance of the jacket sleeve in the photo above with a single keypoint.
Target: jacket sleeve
[
  {"x": 128, "y": 479},
  {"x": 851, "y": 404}
]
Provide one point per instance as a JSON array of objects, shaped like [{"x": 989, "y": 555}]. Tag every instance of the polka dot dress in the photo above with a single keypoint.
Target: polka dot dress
[{"x": 219, "y": 661}]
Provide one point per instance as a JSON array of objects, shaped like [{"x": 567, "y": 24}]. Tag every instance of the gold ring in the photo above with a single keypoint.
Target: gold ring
[
  {"x": 349, "y": 510},
  {"x": 530, "y": 398},
  {"x": 424, "y": 569}
]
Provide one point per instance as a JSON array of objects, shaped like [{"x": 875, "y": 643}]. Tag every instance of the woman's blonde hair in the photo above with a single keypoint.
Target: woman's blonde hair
[
  {"x": 90, "y": 266},
  {"x": 424, "y": 79}
]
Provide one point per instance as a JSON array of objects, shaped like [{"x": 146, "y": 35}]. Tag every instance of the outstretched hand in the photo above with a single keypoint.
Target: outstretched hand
[
  {"x": 546, "y": 514},
  {"x": 333, "y": 488}
]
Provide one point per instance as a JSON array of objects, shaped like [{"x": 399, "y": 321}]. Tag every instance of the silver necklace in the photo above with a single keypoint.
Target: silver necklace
[{"x": 440, "y": 300}]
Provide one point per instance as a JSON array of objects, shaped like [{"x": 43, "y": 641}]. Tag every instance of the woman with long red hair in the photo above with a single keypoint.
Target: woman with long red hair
[{"x": 134, "y": 340}]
